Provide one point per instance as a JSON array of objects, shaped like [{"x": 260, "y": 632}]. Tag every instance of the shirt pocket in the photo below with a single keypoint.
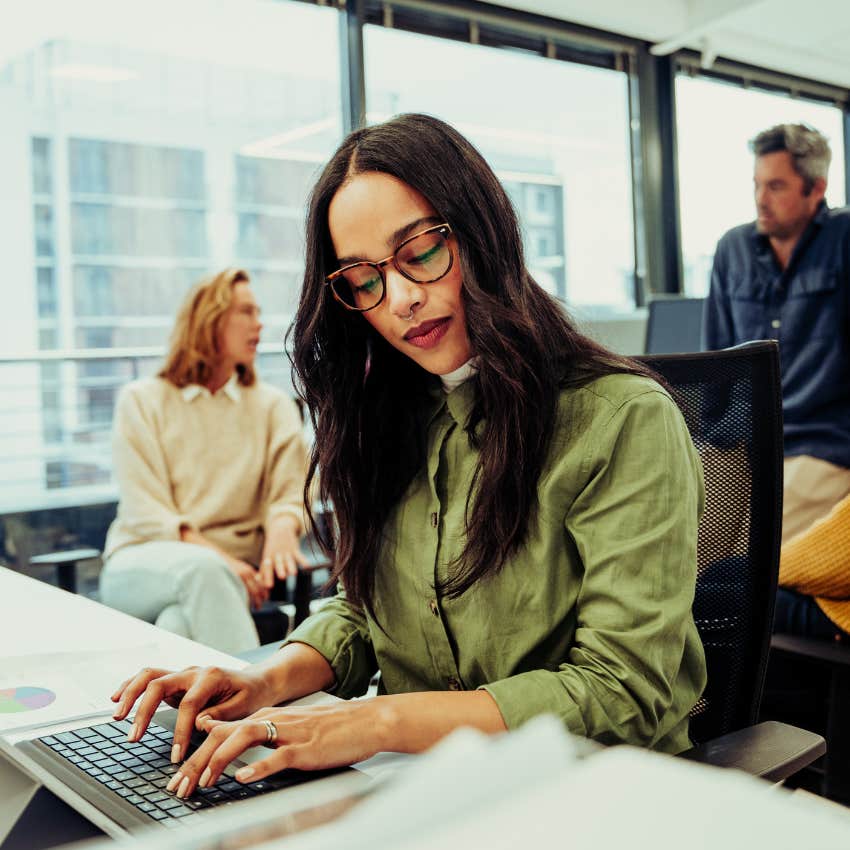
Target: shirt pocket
[
  {"x": 813, "y": 307},
  {"x": 749, "y": 313}
]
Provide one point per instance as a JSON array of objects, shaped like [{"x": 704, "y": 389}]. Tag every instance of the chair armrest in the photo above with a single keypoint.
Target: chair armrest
[
  {"x": 816, "y": 649},
  {"x": 772, "y": 750}
]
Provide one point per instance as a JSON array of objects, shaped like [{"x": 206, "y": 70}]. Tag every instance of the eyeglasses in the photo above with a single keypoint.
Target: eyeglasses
[{"x": 424, "y": 257}]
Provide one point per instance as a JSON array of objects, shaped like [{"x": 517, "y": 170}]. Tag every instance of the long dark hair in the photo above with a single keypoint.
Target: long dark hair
[{"x": 368, "y": 443}]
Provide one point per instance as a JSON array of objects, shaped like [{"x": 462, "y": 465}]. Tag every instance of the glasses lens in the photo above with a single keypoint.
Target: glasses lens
[
  {"x": 425, "y": 258},
  {"x": 360, "y": 286}
]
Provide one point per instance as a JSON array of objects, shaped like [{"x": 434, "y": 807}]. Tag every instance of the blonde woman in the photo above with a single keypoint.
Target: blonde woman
[{"x": 210, "y": 464}]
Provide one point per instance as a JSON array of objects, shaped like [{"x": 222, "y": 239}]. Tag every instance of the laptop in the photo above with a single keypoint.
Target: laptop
[{"x": 120, "y": 786}]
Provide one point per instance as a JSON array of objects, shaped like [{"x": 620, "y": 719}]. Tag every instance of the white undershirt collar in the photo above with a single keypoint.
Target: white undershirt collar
[
  {"x": 231, "y": 389},
  {"x": 454, "y": 379}
]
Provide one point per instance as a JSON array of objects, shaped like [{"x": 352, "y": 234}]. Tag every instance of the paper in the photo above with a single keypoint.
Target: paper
[{"x": 81, "y": 681}]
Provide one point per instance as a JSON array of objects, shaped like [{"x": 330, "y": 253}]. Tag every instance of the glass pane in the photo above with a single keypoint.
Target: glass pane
[
  {"x": 141, "y": 160},
  {"x": 556, "y": 133},
  {"x": 716, "y": 165}
]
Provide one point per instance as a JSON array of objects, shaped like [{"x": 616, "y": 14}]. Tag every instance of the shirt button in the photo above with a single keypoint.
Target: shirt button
[
  {"x": 434, "y": 520},
  {"x": 432, "y": 604},
  {"x": 454, "y": 684},
  {"x": 775, "y": 323}
]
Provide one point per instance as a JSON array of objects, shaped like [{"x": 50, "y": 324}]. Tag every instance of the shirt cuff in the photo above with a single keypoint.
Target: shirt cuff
[
  {"x": 527, "y": 695},
  {"x": 344, "y": 650},
  {"x": 287, "y": 510}
]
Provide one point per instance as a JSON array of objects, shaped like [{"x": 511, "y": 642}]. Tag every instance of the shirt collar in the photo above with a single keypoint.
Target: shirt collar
[{"x": 231, "y": 389}]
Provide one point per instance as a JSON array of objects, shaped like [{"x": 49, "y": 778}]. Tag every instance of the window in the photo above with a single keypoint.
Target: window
[
  {"x": 147, "y": 162},
  {"x": 555, "y": 132},
  {"x": 716, "y": 166}
]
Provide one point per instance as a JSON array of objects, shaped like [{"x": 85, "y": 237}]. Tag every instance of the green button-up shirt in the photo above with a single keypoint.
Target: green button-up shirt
[{"x": 590, "y": 620}]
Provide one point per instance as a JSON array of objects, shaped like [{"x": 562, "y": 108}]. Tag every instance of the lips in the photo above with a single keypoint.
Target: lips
[{"x": 424, "y": 329}]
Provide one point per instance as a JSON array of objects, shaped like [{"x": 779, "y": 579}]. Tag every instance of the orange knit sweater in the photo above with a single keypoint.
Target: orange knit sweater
[{"x": 817, "y": 563}]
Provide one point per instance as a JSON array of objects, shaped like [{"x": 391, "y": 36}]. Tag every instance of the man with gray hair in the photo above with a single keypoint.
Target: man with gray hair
[{"x": 786, "y": 276}]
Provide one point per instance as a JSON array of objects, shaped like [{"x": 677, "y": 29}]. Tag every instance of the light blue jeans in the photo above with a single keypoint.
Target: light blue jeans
[{"x": 183, "y": 588}]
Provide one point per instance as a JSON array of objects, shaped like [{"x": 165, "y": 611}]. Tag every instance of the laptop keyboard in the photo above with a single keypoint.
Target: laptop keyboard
[{"x": 139, "y": 772}]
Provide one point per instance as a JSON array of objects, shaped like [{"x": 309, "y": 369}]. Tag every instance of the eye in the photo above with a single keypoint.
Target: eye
[
  {"x": 424, "y": 257},
  {"x": 369, "y": 285}
]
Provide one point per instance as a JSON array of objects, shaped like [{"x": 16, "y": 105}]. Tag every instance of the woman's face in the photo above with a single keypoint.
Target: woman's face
[
  {"x": 239, "y": 332},
  {"x": 368, "y": 217}
]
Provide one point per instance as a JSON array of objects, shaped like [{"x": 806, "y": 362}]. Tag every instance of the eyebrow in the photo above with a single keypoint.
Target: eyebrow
[{"x": 398, "y": 236}]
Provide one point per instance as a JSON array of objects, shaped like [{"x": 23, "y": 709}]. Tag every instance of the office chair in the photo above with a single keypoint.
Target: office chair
[
  {"x": 674, "y": 324},
  {"x": 731, "y": 401}
]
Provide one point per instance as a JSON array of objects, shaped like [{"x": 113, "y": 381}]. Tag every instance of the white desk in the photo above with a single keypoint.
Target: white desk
[{"x": 37, "y": 621}]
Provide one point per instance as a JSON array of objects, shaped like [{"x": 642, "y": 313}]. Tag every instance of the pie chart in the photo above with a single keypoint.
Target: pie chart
[{"x": 24, "y": 699}]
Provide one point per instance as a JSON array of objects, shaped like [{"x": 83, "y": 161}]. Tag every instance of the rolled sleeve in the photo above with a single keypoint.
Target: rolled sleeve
[
  {"x": 635, "y": 527},
  {"x": 339, "y": 633}
]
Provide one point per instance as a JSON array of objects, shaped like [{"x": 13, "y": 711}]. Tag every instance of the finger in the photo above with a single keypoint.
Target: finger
[
  {"x": 223, "y": 744},
  {"x": 134, "y": 688},
  {"x": 279, "y": 759},
  {"x": 281, "y": 567},
  {"x": 267, "y": 571},
  {"x": 154, "y": 693},
  {"x": 209, "y": 684},
  {"x": 229, "y": 709},
  {"x": 300, "y": 557},
  {"x": 116, "y": 695}
]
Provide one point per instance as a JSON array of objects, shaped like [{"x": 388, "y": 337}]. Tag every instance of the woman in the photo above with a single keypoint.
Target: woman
[
  {"x": 517, "y": 507},
  {"x": 210, "y": 465}
]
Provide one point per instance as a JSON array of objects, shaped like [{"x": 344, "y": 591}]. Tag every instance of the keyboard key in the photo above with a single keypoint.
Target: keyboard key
[
  {"x": 108, "y": 731},
  {"x": 86, "y": 734},
  {"x": 124, "y": 775},
  {"x": 136, "y": 782},
  {"x": 161, "y": 762},
  {"x": 115, "y": 769},
  {"x": 77, "y": 745},
  {"x": 124, "y": 792},
  {"x": 214, "y": 795},
  {"x": 50, "y": 740},
  {"x": 197, "y": 803},
  {"x": 156, "y": 796},
  {"x": 146, "y": 807},
  {"x": 169, "y": 804},
  {"x": 157, "y": 814},
  {"x": 66, "y": 737},
  {"x": 135, "y": 799},
  {"x": 154, "y": 776}
]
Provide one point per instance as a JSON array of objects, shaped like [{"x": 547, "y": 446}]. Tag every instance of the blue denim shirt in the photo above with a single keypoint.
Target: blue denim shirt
[{"x": 805, "y": 307}]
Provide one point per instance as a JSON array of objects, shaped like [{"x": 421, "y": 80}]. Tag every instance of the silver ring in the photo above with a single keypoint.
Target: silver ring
[{"x": 271, "y": 731}]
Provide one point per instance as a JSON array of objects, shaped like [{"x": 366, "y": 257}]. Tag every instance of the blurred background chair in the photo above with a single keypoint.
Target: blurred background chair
[{"x": 673, "y": 325}]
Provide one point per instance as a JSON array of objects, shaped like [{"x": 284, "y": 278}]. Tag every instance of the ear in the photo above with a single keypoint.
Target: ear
[{"x": 818, "y": 189}]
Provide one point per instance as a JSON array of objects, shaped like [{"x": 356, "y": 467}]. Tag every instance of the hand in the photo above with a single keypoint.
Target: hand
[
  {"x": 307, "y": 738},
  {"x": 258, "y": 590},
  {"x": 214, "y": 693},
  {"x": 282, "y": 554}
]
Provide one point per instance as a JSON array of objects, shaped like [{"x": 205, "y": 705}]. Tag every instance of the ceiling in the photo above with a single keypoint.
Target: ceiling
[{"x": 810, "y": 39}]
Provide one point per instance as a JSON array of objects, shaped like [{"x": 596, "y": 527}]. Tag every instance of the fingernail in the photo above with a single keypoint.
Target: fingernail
[
  {"x": 174, "y": 781},
  {"x": 205, "y": 778},
  {"x": 133, "y": 734},
  {"x": 184, "y": 784},
  {"x": 175, "y": 754},
  {"x": 244, "y": 773}
]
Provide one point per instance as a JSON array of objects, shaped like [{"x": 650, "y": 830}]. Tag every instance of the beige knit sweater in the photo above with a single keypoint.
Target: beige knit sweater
[
  {"x": 221, "y": 464},
  {"x": 817, "y": 563}
]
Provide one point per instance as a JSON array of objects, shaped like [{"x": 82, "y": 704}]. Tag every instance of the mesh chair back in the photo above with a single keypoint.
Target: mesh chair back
[{"x": 731, "y": 400}]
